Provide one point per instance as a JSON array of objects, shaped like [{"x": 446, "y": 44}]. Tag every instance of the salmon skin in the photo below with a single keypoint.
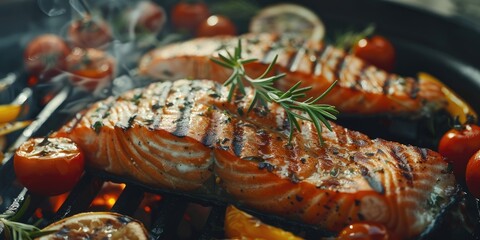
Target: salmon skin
[
  {"x": 180, "y": 134},
  {"x": 361, "y": 89}
]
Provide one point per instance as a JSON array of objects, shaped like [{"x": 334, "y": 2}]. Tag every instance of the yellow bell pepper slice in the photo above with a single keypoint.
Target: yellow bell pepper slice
[
  {"x": 457, "y": 107},
  {"x": 241, "y": 225},
  {"x": 6, "y": 128},
  {"x": 9, "y": 112}
]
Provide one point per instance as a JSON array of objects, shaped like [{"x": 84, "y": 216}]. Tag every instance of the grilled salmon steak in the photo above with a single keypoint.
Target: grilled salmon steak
[
  {"x": 361, "y": 89},
  {"x": 178, "y": 135}
]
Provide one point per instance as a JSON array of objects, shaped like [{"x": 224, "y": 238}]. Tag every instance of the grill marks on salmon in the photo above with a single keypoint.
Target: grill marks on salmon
[
  {"x": 177, "y": 135},
  {"x": 361, "y": 88}
]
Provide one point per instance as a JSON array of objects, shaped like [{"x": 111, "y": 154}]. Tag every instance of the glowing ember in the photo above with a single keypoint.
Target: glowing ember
[{"x": 107, "y": 197}]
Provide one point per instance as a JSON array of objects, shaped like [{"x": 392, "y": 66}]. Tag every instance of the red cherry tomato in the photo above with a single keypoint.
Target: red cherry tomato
[
  {"x": 472, "y": 174},
  {"x": 457, "y": 146},
  {"x": 364, "y": 231},
  {"x": 377, "y": 51},
  {"x": 46, "y": 55},
  {"x": 49, "y": 166},
  {"x": 216, "y": 25},
  {"x": 148, "y": 17},
  {"x": 89, "y": 32},
  {"x": 90, "y": 67},
  {"x": 188, "y": 16}
]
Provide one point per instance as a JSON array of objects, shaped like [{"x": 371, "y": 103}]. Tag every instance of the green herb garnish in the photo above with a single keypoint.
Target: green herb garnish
[
  {"x": 16, "y": 230},
  {"x": 97, "y": 126},
  {"x": 265, "y": 92}
]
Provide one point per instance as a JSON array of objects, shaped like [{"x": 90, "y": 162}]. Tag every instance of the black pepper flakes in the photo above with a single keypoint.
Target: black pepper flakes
[
  {"x": 266, "y": 165},
  {"x": 130, "y": 120},
  {"x": 156, "y": 106},
  {"x": 214, "y": 95}
]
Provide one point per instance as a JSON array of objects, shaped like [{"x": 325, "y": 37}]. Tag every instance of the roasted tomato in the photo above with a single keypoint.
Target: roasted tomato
[
  {"x": 472, "y": 174},
  {"x": 216, "y": 25},
  {"x": 188, "y": 16},
  {"x": 48, "y": 166},
  {"x": 45, "y": 55},
  {"x": 458, "y": 145},
  {"x": 240, "y": 225},
  {"x": 376, "y": 50},
  {"x": 364, "y": 231},
  {"x": 148, "y": 17},
  {"x": 89, "y": 32},
  {"x": 90, "y": 67}
]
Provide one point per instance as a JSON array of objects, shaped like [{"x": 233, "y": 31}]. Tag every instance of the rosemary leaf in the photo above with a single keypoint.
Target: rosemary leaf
[{"x": 265, "y": 92}]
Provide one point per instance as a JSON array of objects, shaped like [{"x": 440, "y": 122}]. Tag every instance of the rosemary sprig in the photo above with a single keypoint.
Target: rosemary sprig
[
  {"x": 265, "y": 92},
  {"x": 16, "y": 230}
]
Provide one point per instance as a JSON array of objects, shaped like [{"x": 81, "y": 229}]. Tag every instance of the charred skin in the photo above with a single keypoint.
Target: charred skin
[
  {"x": 361, "y": 88},
  {"x": 177, "y": 135}
]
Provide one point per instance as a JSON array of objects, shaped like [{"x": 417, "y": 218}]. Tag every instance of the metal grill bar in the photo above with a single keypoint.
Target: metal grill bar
[
  {"x": 129, "y": 200},
  {"x": 80, "y": 197},
  {"x": 214, "y": 226},
  {"x": 171, "y": 211}
]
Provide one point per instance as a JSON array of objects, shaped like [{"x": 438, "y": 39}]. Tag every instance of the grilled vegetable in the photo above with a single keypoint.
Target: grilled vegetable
[
  {"x": 456, "y": 106},
  {"x": 45, "y": 55},
  {"x": 188, "y": 16},
  {"x": 6, "y": 128},
  {"x": 473, "y": 174},
  {"x": 48, "y": 166},
  {"x": 89, "y": 32},
  {"x": 97, "y": 225},
  {"x": 458, "y": 145},
  {"x": 148, "y": 17},
  {"x": 241, "y": 225},
  {"x": 288, "y": 18},
  {"x": 9, "y": 112},
  {"x": 90, "y": 68},
  {"x": 376, "y": 50},
  {"x": 216, "y": 25}
]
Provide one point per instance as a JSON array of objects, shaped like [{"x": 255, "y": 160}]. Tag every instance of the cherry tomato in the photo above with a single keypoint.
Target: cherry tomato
[
  {"x": 90, "y": 67},
  {"x": 49, "y": 166},
  {"x": 216, "y": 25},
  {"x": 188, "y": 16},
  {"x": 364, "y": 231},
  {"x": 472, "y": 174},
  {"x": 148, "y": 17},
  {"x": 376, "y": 50},
  {"x": 46, "y": 55},
  {"x": 89, "y": 32},
  {"x": 457, "y": 146},
  {"x": 240, "y": 225}
]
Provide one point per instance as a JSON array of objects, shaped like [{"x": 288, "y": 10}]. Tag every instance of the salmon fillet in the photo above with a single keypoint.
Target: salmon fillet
[
  {"x": 178, "y": 135},
  {"x": 361, "y": 88}
]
